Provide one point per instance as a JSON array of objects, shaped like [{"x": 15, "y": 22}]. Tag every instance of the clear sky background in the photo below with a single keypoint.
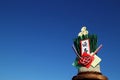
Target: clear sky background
[{"x": 36, "y": 37}]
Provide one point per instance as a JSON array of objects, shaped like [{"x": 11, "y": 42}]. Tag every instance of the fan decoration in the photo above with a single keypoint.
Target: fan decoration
[{"x": 85, "y": 47}]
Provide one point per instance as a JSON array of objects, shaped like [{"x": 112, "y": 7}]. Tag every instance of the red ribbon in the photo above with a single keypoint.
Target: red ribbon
[{"x": 86, "y": 60}]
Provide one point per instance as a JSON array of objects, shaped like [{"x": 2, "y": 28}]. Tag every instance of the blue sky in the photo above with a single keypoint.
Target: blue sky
[{"x": 36, "y": 37}]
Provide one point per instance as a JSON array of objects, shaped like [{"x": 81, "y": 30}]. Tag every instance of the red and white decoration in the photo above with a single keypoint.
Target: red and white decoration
[{"x": 85, "y": 46}]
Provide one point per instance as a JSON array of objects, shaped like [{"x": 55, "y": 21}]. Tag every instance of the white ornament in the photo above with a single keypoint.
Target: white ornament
[
  {"x": 83, "y": 29},
  {"x": 85, "y": 32},
  {"x": 80, "y": 34}
]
